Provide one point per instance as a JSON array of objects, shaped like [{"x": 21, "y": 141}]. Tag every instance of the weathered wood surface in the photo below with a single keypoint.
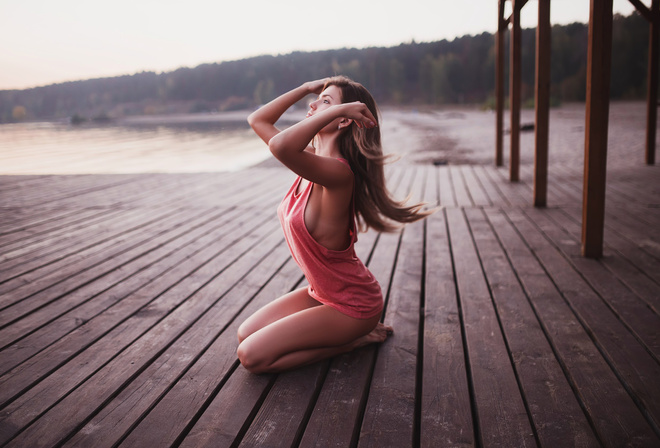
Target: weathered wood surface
[{"x": 120, "y": 297}]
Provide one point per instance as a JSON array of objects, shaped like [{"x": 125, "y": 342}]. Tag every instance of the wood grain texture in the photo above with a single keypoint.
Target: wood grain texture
[{"x": 121, "y": 296}]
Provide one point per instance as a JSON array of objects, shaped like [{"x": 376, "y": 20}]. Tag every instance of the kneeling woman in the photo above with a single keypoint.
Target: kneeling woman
[{"x": 340, "y": 179}]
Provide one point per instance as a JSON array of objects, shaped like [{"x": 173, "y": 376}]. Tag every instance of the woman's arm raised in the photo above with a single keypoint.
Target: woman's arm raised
[
  {"x": 289, "y": 145},
  {"x": 263, "y": 119}
]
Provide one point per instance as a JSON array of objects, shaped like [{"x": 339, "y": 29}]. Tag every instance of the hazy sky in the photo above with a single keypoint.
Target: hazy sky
[{"x": 48, "y": 41}]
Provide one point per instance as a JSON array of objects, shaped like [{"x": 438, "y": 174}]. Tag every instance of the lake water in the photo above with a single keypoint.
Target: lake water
[
  {"x": 181, "y": 144},
  {"x": 224, "y": 142}
]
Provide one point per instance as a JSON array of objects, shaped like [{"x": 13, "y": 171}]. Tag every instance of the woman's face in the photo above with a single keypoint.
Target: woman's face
[
  {"x": 327, "y": 98},
  {"x": 330, "y": 96}
]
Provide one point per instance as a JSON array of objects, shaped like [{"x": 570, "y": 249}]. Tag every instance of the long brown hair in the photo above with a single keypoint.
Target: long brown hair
[{"x": 362, "y": 148}]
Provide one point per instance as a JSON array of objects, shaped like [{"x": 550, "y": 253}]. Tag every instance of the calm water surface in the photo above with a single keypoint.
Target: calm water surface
[{"x": 142, "y": 145}]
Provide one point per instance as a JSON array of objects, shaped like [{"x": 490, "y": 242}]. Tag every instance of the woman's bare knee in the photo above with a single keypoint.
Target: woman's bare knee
[
  {"x": 251, "y": 359},
  {"x": 242, "y": 332}
]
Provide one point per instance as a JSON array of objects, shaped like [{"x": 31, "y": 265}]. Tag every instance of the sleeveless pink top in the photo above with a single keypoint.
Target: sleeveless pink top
[{"x": 337, "y": 278}]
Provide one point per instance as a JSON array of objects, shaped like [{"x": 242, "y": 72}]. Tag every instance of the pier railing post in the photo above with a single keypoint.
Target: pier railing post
[
  {"x": 499, "y": 85},
  {"x": 542, "y": 104},
  {"x": 652, "y": 94},
  {"x": 599, "y": 56},
  {"x": 514, "y": 92}
]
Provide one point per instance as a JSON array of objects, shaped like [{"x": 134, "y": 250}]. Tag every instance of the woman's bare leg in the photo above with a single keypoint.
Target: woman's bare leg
[
  {"x": 307, "y": 336},
  {"x": 304, "y": 357},
  {"x": 286, "y": 305}
]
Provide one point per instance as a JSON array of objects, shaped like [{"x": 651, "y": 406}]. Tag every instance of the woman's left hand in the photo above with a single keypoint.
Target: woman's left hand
[{"x": 359, "y": 113}]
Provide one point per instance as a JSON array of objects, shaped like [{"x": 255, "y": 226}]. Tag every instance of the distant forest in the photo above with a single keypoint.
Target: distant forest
[{"x": 461, "y": 71}]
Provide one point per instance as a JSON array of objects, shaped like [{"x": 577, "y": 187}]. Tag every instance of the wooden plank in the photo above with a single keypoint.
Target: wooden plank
[
  {"x": 161, "y": 194},
  {"x": 68, "y": 187},
  {"x": 446, "y": 414},
  {"x": 235, "y": 420},
  {"x": 29, "y": 248},
  {"x": 175, "y": 311},
  {"x": 222, "y": 423},
  {"x": 643, "y": 235},
  {"x": 284, "y": 422},
  {"x": 45, "y": 223},
  {"x": 82, "y": 278},
  {"x": 227, "y": 394},
  {"x": 514, "y": 192},
  {"x": 555, "y": 412},
  {"x": 559, "y": 193},
  {"x": 160, "y": 397},
  {"x": 612, "y": 412},
  {"x": 152, "y": 400},
  {"x": 63, "y": 246},
  {"x": 191, "y": 242},
  {"x": 337, "y": 414},
  {"x": 164, "y": 412},
  {"x": 595, "y": 147},
  {"x": 41, "y": 285},
  {"x": 360, "y": 361},
  {"x": 634, "y": 187},
  {"x": 268, "y": 418},
  {"x": 16, "y": 183},
  {"x": 627, "y": 356},
  {"x": 432, "y": 189},
  {"x": 474, "y": 187},
  {"x": 626, "y": 306},
  {"x": 542, "y": 104},
  {"x": 279, "y": 418},
  {"x": 634, "y": 267},
  {"x": 47, "y": 265},
  {"x": 515, "y": 90},
  {"x": 619, "y": 259},
  {"x": 42, "y": 291},
  {"x": 499, "y": 408},
  {"x": 447, "y": 197},
  {"x": 116, "y": 303},
  {"x": 497, "y": 198},
  {"x": 463, "y": 198},
  {"x": 389, "y": 418}
]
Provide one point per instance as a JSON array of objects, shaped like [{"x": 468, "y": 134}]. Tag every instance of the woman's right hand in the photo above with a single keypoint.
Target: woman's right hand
[
  {"x": 263, "y": 119},
  {"x": 315, "y": 87}
]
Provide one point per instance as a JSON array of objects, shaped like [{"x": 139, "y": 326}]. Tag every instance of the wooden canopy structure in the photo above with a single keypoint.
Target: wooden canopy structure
[{"x": 597, "y": 105}]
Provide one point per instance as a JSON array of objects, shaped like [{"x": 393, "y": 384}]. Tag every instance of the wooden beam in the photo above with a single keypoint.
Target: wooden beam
[
  {"x": 652, "y": 91},
  {"x": 599, "y": 57},
  {"x": 499, "y": 86},
  {"x": 643, "y": 10},
  {"x": 542, "y": 104},
  {"x": 521, "y": 3},
  {"x": 514, "y": 93}
]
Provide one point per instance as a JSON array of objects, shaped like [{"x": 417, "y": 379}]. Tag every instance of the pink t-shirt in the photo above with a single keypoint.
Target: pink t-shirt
[{"x": 337, "y": 278}]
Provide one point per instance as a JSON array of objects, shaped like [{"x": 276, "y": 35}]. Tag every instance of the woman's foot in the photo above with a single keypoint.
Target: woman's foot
[{"x": 376, "y": 336}]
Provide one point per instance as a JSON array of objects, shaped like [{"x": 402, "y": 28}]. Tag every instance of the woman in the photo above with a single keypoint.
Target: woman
[{"x": 340, "y": 180}]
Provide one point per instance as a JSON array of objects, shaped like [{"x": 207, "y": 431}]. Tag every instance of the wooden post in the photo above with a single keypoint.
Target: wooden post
[
  {"x": 499, "y": 85},
  {"x": 514, "y": 92},
  {"x": 599, "y": 56},
  {"x": 542, "y": 104},
  {"x": 652, "y": 94}
]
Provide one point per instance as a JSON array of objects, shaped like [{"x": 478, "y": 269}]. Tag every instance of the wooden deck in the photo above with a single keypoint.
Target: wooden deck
[{"x": 120, "y": 296}]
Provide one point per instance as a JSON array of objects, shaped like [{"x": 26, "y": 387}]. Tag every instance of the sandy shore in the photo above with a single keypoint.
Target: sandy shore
[{"x": 466, "y": 135}]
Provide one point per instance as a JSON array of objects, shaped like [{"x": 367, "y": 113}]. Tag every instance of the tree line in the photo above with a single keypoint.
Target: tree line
[{"x": 461, "y": 71}]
